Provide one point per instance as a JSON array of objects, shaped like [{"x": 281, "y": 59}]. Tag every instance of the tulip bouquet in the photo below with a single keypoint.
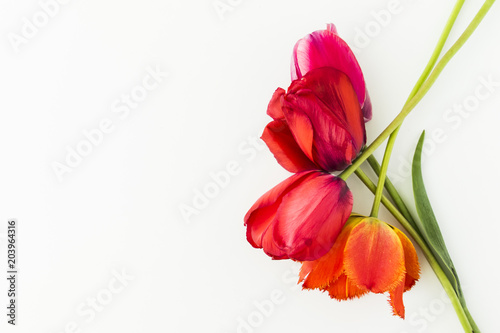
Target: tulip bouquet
[{"x": 318, "y": 134}]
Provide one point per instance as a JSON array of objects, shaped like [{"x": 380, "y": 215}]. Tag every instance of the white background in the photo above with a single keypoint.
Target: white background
[{"x": 118, "y": 210}]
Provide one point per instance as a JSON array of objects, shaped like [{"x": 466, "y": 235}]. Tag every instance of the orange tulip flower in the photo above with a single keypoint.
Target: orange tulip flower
[{"x": 368, "y": 255}]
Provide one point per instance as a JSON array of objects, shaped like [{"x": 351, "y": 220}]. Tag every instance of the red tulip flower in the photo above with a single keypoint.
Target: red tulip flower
[
  {"x": 318, "y": 123},
  {"x": 324, "y": 48},
  {"x": 301, "y": 217},
  {"x": 369, "y": 255}
]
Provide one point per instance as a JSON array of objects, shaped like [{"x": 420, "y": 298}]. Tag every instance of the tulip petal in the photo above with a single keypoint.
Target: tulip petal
[
  {"x": 325, "y": 270},
  {"x": 262, "y": 214},
  {"x": 312, "y": 215},
  {"x": 396, "y": 300},
  {"x": 300, "y": 126},
  {"x": 343, "y": 289},
  {"x": 269, "y": 245},
  {"x": 282, "y": 144},
  {"x": 335, "y": 90},
  {"x": 367, "y": 108},
  {"x": 374, "y": 257},
  {"x": 332, "y": 28},
  {"x": 274, "y": 106},
  {"x": 411, "y": 260},
  {"x": 322, "y": 109},
  {"x": 324, "y": 48}
]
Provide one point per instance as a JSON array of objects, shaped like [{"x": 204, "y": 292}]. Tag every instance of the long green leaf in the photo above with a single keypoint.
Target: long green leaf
[{"x": 427, "y": 224}]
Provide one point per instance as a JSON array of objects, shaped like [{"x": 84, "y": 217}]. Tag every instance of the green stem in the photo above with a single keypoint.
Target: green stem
[
  {"x": 383, "y": 171},
  {"x": 448, "y": 287},
  {"x": 475, "y": 329},
  {"x": 463, "y": 38},
  {"x": 438, "y": 49},
  {"x": 371, "y": 160},
  {"x": 401, "y": 207},
  {"x": 408, "y": 107},
  {"x": 393, "y": 192},
  {"x": 432, "y": 61}
]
